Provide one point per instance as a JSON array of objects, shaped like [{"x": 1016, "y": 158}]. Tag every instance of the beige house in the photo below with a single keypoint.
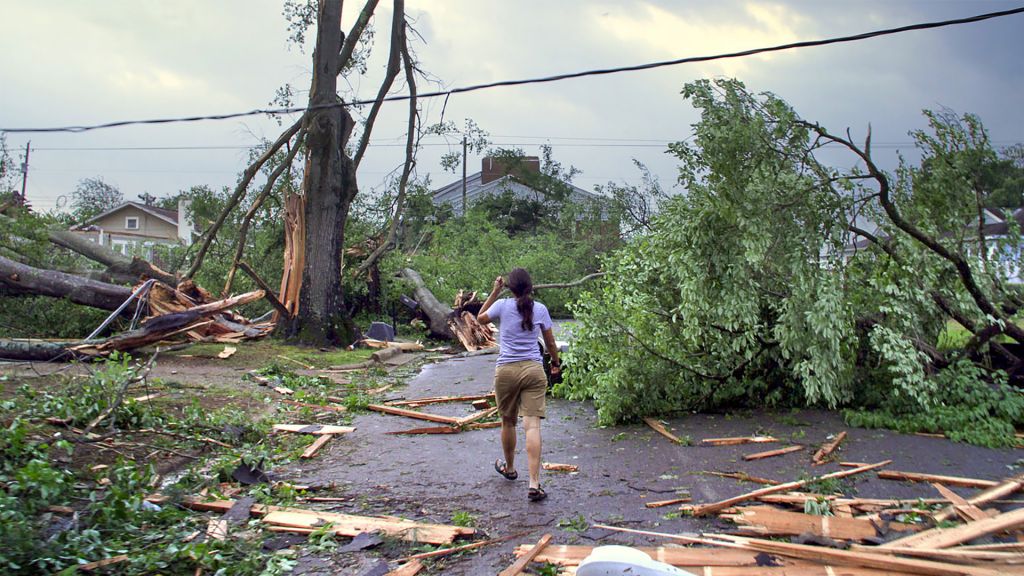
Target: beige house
[{"x": 134, "y": 228}]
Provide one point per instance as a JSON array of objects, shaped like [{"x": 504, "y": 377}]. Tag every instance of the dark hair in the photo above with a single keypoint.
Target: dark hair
[{"x": 521, "y": 285}]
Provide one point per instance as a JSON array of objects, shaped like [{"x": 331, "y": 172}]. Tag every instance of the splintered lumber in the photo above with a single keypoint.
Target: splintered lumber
[
  {"x": 965, "y": 509},
  {"x": 520, "y": 564},
  {"x": 828, "y": 448},
  {"x": 737, "y": 440},
  {"x": 774, "y": 522},
  {"x": 744, "y": 477},
  {"x": 417, "y": 402},
  {"x": 770, "y": 453},
  {"x": 283, "y": 390},
  {"x": 560, "y": 467},
  {"x": 217, "y": 529},
  {"x": 565, "y": 555},
  {"x": 860, "y": 558},
  {"x": 660, "y": 429},
  {"x": 958, "y": 555},
  {"x": 411, "y": 568},
  {"x": 413, "y": 414},
  {"x": 227, "y": 352},
  {"x": 480, "y": 404},
  {"x": 947, "y": 537},
  {"x": 428, "y": 430},
  {"x": 317, "y": 445},
  {"x": 90, "y": 566},
  {"x": 705, "y": 509},
  {"x": 482, "y": 425},
  {"x": 1004, "y": 488},
  {"x": 671, "y": 502},
  {"x": 936, "y": 478},
  {"x": 403, "y": 346},
  {"x": 313, "y": 428},
  {"x": 476, "y": 416}
]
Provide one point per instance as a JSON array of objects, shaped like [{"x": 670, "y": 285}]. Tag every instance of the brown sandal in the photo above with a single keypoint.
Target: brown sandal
[
  {"x": 536, "y": 494},
  {"x": 501, "y": 468}
]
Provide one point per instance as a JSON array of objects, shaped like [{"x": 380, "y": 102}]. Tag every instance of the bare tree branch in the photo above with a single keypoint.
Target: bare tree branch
[
  {"x": 394, "y": 66},
  {"x": 240, "y": 190},
  {"x": 243, "y": 230},
  {"x": 349, "y": 46},
  {"x": 268, "y": 294},
  {"x": 410, "y": 161}
]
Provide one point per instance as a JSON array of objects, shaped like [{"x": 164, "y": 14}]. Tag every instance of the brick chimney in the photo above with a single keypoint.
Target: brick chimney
[{"x": 494, "y": 168}]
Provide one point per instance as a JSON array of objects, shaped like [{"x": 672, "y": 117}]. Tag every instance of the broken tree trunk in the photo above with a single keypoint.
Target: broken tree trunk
[
  {"x": 24, "y": 279},
  {"x": 431, "y": 306},
  {"x": 116, "y": 263}
]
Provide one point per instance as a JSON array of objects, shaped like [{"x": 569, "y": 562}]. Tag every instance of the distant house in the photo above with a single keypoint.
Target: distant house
[
  {"x": 134, "y": 228},
  {"x": 497, "y": 177},
  {"x": 997, "y": 226}
]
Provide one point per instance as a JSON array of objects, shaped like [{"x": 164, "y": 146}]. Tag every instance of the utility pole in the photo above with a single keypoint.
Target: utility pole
[
  {"x": 24, "y": 173},
  {"x": 464, "y": 207}
]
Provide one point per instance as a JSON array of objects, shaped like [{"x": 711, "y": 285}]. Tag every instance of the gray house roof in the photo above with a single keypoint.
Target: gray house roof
[{"x": 452, "y": 193}]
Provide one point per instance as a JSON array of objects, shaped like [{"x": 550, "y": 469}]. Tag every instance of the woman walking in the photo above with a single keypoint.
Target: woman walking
[{"x": 519, "y": 380}]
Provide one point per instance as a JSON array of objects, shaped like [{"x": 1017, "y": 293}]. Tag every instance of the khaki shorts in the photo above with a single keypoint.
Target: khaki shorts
[{"x": 519, "y": 387}]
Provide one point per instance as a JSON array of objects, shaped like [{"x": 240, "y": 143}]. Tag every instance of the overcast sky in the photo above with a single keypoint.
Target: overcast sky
[{"x": 72, "y": 62}]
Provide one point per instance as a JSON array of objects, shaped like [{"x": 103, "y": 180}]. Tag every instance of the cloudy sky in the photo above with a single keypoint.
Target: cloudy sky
[{"x": 65, "y": 62}]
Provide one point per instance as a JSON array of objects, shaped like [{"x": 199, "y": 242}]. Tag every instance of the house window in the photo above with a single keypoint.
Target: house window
[
  {"x": 131, "y": 223},
  {"x": 119, "y": 246}
]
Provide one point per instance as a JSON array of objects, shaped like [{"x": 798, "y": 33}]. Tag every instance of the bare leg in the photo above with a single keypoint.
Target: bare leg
[
  {"x": 508, "y": 443},
  {"x": 532, "y": 426}
]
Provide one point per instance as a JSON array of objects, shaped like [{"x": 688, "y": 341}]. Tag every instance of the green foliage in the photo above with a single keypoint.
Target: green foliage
[
  {"x": 463, "y": 518},
  {"x": 93, "y": 196},
  {"x": 818, "y": 507},
  {"x": 485, "y": 251},
  {"x": 964, "y": 405},
  {"x": 87, "y": 399},
  {"x": 577, "y": 523},
  {"x": 740, "y": 294}
]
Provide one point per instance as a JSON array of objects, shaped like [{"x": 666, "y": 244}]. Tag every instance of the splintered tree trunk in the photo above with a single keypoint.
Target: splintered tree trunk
[{"x": 329, "y": 187}]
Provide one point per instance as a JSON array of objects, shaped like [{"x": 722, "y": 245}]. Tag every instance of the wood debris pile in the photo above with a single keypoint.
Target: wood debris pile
[
  {"x": 452, "y": 424},
  {"x": 463, "y": 324},
  {"x": 949, "y": 535}
]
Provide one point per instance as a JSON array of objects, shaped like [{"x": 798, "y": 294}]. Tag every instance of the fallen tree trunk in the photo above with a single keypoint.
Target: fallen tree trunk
[
  {"x": 24, "y": 279},
  {"x": 26, "y": 350},
  {"x": 438, "y": 312},
  {"x": 117, "y": 264}
]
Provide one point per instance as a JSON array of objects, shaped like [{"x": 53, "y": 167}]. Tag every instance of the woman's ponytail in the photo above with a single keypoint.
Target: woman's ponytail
[{"x": 521, "y": 285}]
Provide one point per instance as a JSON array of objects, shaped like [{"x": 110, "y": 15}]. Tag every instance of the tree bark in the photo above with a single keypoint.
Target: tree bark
[
  {"x": 438, "y": 312},
  {"x": 117, "y": 264},
  {"x": 329, "y": 186},
  {"x": 23, "y": 279}
]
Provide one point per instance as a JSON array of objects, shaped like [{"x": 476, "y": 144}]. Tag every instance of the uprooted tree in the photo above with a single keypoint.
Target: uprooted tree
[{"x": 752, "y": 288}]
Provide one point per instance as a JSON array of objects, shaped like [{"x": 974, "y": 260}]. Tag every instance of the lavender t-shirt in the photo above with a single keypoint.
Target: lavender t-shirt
[{"x": 516, "y": 344}]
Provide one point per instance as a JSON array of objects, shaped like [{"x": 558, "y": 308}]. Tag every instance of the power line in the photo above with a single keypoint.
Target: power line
[{"x": 541, "y": 80}]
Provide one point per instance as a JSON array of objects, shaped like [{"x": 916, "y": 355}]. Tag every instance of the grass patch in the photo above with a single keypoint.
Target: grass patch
[{"x": 259, "y": 352}]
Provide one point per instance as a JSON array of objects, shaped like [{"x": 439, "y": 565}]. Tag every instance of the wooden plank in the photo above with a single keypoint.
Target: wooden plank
[
  {"x": 777, "y": 522},
  {"x": 283, "y": 390},
  {"x": 936, "y": 478},
  {"x": 413, "y": 414},
  {"x": 948, "y": 554},
  {"x": 705, "y": 509},
  {"x": 483, "y": 425},
  {"x": 661, "y": 503},
  {"x": 658, "y": 427},
  {"x": 520, "y": 564},
  {"x": 350, "y": 525},
  {"x": 480, "y": 404},
  {"x": 946, "y": 537},
  {"x": 1005, "y": 488},
  {"x": 463, "y": 548},
  {"x": 827, "y": 449},
  {"x": 966, "y": 510},
  {"x": 317, "y": 445},
  {"x": 734, "y": 441},
  {"x": 744, "y": 477},
  {"x": 313, "y": 428},
  {"x": 477, "y": 416},
  {"x": 324, "y": 407},
  {"x": 428, "y": 430},
  {"x": 560, "y": 467},
  {"x": 771, "y": 453},
  {"x": 440, "y": 400},
  {"x": 90, "y": 566},
  {"x": 227, "y": 352},
  {"x": 410, "y": 568}
]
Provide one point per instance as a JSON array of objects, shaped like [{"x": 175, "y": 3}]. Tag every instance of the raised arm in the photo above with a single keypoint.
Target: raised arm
[{"x": 499, "y": 285}]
